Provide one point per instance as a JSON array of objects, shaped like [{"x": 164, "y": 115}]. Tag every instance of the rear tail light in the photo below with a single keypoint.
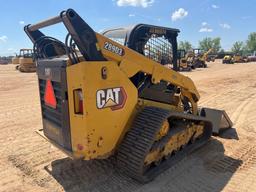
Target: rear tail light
[{"x": 78, "y": 101}]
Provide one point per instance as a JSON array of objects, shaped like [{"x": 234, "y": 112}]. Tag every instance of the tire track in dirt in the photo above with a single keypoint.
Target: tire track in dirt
[
  {"x": 246, "y": 154},
  {"x": 239, "y": 115},
  {"x": 242, "y": 122},
  {"x": 244, "y": 179}
]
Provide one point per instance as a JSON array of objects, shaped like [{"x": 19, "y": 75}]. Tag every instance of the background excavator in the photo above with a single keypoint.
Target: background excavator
[{"x": 101, "y": 98}]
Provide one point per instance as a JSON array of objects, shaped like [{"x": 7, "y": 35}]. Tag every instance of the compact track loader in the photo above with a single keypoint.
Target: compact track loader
[
  {"x": 237, "y": 58},
  {"x": 234, "y": 58},
  {"x": 228, "y": 59},
  {"x": 101, "y": 98}
]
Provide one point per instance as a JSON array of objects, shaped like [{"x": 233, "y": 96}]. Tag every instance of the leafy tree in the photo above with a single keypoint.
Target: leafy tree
[
  {"x": 216, "y": 44},
  {"x": 185, "y": 45},
  {"x": 238, "y": 47},
  {"x": 222, "y": 51},
  {"x": 251, "y": 42},
  {"x": 208, "y": 43}
]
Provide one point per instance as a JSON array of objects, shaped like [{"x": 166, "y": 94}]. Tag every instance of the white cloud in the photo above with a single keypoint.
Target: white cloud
[
  {"x": 205, "y": 29},
  {"x": 225, "y": 26},
  {"x": 3, "y": 38},
  {"x": 135, "y": 3},
  {"x": 10, "y": 49},
  {"x": 131, "y": 15},
  {"x": 179, "y": 14},
  {"x": 204, "y": 24},
  {"x": 21, "y": 22},
  {"x": 215, "y": 6}
]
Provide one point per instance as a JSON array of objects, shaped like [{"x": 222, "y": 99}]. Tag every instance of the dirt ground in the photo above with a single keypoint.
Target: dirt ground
[{"x": 228, "y": 163}]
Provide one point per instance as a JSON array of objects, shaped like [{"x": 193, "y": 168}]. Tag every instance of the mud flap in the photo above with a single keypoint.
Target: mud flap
[{"x": 219, "y": 118}]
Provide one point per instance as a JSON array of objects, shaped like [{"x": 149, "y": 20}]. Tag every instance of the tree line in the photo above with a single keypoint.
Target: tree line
[{"x": 239, "y": 47}]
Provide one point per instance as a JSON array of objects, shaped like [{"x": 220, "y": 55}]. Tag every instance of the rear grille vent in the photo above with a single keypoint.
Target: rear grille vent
[{"x": 52, "y": 115}]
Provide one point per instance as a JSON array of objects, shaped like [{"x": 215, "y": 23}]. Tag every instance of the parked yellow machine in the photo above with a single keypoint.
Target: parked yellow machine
[
  {"x": 184, "y": 61},
  {"x": 15, "y": 60},
  {"x": 101, "y": 98},
  {"x": 237, "y": 58},
  {"x": 234, "y": 58},
  {"x": 200, "y": 58},
  {"x": 227, "y": 59},
  {"x": 25, "y": 61}
]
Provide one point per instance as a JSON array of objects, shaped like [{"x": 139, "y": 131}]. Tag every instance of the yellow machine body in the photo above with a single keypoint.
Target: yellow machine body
[
  {"x": 184, "y": 60},
  {"x": 237, "y": 58},
  {"x": 25, "y": 61},
  {"x": 90, "y": 137},
  {"x": 97, "y": 139},
  {"x": 15, "y": 60},
  {"x": 183, "y": 64},
  {"x": 205, "y": 55},
  {"x": 92, "y": 107}
]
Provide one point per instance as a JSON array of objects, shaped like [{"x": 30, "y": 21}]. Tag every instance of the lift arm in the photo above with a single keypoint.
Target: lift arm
[
  {"x": 96, "y": 47},
  {"x": 205, "y": 55}
]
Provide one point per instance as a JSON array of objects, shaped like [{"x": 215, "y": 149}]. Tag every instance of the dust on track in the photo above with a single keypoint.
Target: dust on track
[{"x": 227, "y": 163}]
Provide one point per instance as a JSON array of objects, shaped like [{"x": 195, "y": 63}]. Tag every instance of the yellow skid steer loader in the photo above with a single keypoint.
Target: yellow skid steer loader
[{"x": 101, "y": 98}]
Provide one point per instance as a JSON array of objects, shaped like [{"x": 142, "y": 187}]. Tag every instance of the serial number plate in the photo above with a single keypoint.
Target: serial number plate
[{"x": 113, "y": 48}]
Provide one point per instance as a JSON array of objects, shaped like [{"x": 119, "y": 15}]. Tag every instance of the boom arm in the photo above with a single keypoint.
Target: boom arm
[
  {"x": 207, "y": 53},
  {"x": 132, "y": 62},
  {"x": 96, "y": 47}
]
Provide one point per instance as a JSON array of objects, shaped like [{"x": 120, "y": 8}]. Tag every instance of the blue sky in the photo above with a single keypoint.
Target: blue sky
[{"x": 231, "y": 20}]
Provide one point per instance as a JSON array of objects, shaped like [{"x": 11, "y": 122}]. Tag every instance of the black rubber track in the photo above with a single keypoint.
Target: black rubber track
[{"x": 140, "y": 139}]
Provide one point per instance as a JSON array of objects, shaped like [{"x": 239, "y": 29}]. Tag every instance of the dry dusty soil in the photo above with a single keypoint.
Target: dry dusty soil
[{"x": 226, "y": 163}]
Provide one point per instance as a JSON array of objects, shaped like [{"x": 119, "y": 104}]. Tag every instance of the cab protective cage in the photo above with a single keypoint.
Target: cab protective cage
[{"x": 149, "y": 40}]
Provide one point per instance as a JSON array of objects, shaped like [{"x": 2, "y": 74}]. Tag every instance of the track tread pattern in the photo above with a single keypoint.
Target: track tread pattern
[{"x": 140, "y": 139}]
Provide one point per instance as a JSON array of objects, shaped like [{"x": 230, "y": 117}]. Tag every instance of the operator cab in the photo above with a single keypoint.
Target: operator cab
[
  {"x": 181, "y": 53},
  {"x": 26, "y": 53},
  {"x": 156, "y": 43},
  {"x": 198, "y": 52}
]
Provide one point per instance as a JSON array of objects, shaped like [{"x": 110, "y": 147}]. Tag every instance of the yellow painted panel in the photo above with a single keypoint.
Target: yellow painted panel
[{"x": 96, "y": 132}]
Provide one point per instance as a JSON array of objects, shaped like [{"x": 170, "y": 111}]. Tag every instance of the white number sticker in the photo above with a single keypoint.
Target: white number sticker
[{"x": 114, "y": 49}]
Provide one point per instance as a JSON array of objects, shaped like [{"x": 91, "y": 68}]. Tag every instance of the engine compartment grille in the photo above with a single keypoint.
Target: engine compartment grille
[
  {"x": 52, "y": 115},
  {"x": 56, "y": 123}
]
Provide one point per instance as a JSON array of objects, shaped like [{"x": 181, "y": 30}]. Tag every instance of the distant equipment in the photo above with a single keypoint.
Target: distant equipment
[{"x": 25, "y": 61}]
